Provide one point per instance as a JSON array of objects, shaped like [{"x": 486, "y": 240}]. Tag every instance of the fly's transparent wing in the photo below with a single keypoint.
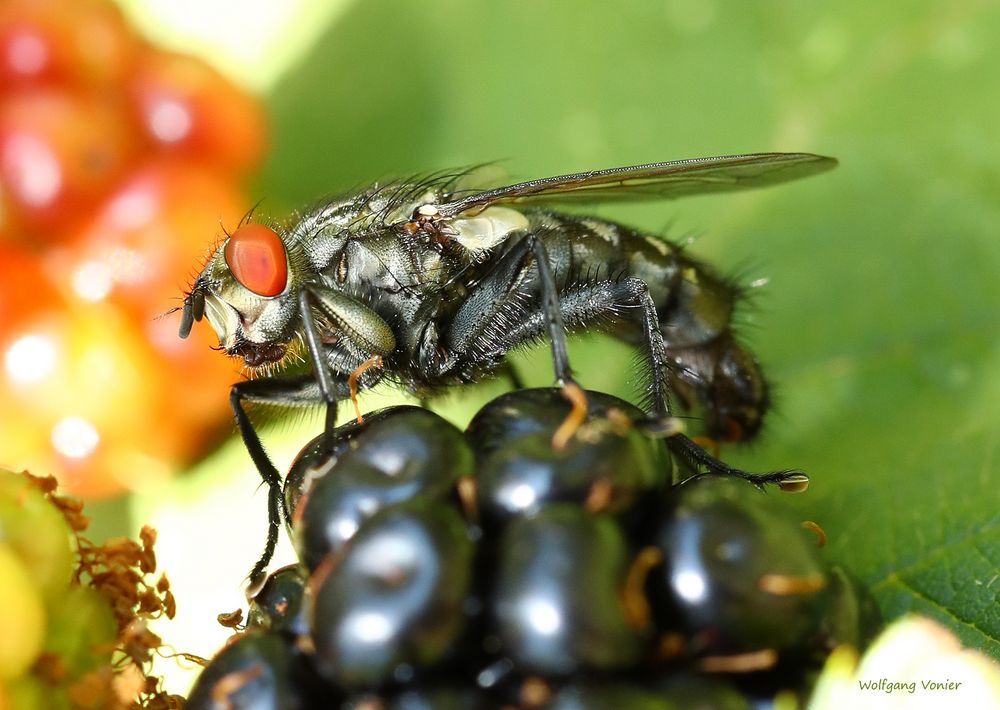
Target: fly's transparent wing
[{"x": 654, "y": 181}]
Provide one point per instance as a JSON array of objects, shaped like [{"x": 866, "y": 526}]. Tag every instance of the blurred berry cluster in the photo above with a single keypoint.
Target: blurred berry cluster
[{"x": 118, "y": 162}]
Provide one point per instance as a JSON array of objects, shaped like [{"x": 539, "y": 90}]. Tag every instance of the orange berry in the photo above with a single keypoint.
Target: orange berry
[
  {"x": 59, "y": 153},
  {"x": 83, "y": 43},
  {"x": 187, "y": 107}
]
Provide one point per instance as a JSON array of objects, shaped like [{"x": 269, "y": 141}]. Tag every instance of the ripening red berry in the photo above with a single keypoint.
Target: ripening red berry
[
  {"x": 186, "y": 107},
  {"x": 59, "y": 154},
  {"x": 79, "y": 44},
  {"x": 29, "y": 50}
]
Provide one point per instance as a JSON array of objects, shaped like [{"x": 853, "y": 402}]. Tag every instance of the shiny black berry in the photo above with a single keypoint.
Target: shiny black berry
[
  {"x": 392, "y": 601},
  {"x": 736, "y": 573},
  {"x": 322, "y": 453},
  {"x": 278, "y": 605},
  {"x": 256, "y": 671},
  {"x": 606, "y": 471},
  {"x": 556, "y": 601},
  {"x": 400, "y": 454},
  {"x": 531, "y": 411}
]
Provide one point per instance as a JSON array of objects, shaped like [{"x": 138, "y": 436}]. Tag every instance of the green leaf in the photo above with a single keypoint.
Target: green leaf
[
  {"x": 880, "y": 323},
  {"x": 81, "y": 631}
]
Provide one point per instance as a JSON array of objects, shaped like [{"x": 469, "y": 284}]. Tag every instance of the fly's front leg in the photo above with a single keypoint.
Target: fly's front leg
[
  {"x": 363, "y": 329},
  {"x": 291, "y": 391},
  {"x": 320, "y": 367}
]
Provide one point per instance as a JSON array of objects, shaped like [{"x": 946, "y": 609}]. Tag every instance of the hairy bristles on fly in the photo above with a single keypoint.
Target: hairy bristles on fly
[
  {"x": 294, "y": 354},
  {"x": 246, "y": 218},
  {"x": 392, "y": 196},
  {"x": 170, "y": 311}
]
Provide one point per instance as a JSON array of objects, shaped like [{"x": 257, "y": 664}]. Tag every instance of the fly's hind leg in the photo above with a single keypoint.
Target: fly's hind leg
[{"x": 629, "y": 299}]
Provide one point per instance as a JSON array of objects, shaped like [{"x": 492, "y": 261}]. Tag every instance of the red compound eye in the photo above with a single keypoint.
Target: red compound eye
[{"x": 256, "y": 257}]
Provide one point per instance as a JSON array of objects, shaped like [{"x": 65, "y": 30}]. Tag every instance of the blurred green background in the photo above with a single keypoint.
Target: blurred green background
[{"x": 879, "y": 324}]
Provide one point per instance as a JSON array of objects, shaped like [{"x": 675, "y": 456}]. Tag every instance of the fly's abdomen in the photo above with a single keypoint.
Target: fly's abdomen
[
  {"x": 710, "y": 368},
  {"x": 694, "y": 304}
]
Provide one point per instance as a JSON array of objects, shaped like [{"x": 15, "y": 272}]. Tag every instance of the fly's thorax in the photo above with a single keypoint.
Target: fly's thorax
[
  {"x": 376, "y": 261},
  {"x": 322, "y": 233}
]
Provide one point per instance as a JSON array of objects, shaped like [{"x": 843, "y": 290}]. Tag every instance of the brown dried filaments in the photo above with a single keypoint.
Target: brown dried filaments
[{"x": 122, "y": 572}]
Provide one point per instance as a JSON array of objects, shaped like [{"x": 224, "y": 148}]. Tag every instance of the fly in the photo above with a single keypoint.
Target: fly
[{"x": 429, "y": 283}]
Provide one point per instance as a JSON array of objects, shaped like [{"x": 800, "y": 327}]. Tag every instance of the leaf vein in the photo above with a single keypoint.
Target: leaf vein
[
  {"x": 926, "y": 560},
  {"x": 943, "y": 609}
]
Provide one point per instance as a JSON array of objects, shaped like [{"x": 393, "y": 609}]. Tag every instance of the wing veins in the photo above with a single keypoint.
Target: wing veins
[{"x": 667, "y": 180}]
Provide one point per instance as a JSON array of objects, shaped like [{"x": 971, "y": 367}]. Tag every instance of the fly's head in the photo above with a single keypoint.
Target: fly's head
[{"x": 248, "y": 291}]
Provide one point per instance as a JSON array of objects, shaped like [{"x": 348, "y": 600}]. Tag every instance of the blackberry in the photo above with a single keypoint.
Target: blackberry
[
  {"x": 556, "y": 599},
  {"x": 259, "y": 670},
  {"x": 517, "y": 566},
  {"x": 391, "y": 604},
  {"x": 736, "y": 576},
  {"x": 394, "y": 456},
  {"x": 278, "y": 605}
]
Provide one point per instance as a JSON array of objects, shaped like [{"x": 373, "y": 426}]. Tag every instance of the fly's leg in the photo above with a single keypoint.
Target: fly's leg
[
  {"x": 272, "y": 479},
  {"x": 681, "y": 445},
  {"x": 629, "y": 298},
  {"x": 552, "y": 311},
  {"x": 479, "y": 332},
  {"x": 365, "y": 330},
  {"x": 361, "y": 326},
  {"x": 292, "y": 391},
  {"x": 352, "y": 383},
  {"x": 320, "y": 367},
  {"x": 584, "y": 304},
  {"x": 478, "y": 335}
]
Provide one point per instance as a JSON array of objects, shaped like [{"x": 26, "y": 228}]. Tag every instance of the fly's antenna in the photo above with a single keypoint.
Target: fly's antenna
[{"x": 194, "y": 310}]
